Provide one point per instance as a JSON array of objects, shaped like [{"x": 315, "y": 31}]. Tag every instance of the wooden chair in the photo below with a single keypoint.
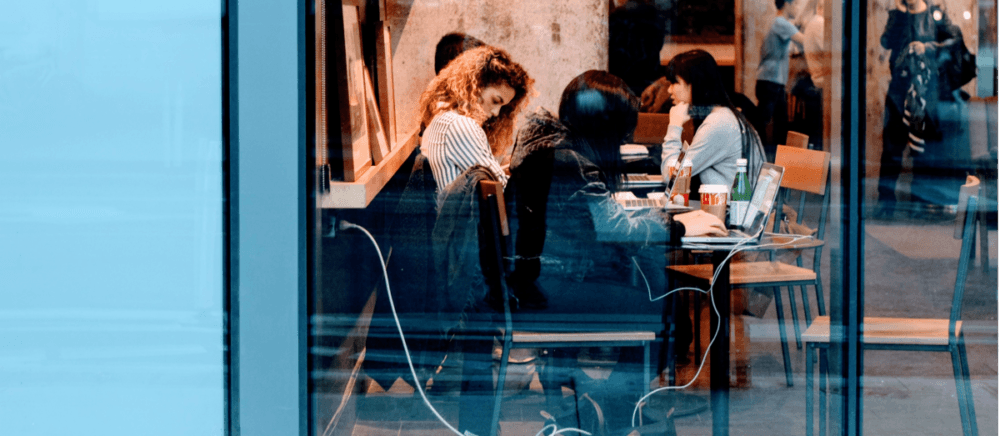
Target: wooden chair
[
  {"x": 806, "y": 173},
  {"x": 797, "y": 140},
  {"x": 912, "y": 334},
  {"x": 650, "y": 128},
  {"x": 497, "y": 230}
]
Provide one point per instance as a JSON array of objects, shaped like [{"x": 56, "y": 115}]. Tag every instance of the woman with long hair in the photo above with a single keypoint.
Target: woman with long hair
[
  {"x": 467, "y": 113},
  {"x": 722, "y": 133}
]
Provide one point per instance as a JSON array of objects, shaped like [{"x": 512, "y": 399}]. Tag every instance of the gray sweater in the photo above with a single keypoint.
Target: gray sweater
[{"x": 714, "y": 149}]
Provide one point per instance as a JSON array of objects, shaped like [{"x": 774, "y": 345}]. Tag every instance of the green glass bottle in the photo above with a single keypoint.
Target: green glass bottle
[{"x": 740, "y": 194}]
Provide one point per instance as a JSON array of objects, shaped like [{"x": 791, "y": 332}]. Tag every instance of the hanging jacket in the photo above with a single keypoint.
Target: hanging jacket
[
  {"x": 460, "y": 284},
  {"x": 921, "y": 98}
]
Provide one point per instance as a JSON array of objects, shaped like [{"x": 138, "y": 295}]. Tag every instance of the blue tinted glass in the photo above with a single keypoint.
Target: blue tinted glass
[{"x": 111, "y": 218}]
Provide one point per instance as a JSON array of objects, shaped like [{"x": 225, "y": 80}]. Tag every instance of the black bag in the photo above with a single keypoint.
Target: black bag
[{"x": 957, "y": 66}]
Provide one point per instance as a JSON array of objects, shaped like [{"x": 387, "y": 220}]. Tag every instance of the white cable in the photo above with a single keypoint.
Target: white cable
[
  {"x": 738, "y": 247},
  {"x": 557, "y": 431},
  {"x": 346, "y": 225},
  {"x": 385, "y": 273}
]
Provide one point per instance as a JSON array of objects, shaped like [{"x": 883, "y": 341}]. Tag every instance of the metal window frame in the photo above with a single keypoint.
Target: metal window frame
[
  {"x": 846, "y": 351},
  {"x": 268, "y": 216}
]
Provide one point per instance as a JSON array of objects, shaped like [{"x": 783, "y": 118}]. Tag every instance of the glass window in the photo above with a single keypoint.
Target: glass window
[
  {"x": 612, "y": 133},
  {"x": 112, "y": 310}
]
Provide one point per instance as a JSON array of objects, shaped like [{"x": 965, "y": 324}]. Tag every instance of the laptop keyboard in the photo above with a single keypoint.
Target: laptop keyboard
[{"x": 642, "y": 202}]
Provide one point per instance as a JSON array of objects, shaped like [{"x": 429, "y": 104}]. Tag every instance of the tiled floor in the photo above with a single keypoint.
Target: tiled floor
[{"x": 905, "y": 393}]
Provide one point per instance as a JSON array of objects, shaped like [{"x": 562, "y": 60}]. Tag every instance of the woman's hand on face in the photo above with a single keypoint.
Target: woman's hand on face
[
  {"x": 679, "y": 114},
  {"x": 701, "y": 223}
]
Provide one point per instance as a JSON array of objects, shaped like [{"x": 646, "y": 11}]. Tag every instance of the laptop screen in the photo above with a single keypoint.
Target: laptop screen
[{"x": 762, "y": 201}]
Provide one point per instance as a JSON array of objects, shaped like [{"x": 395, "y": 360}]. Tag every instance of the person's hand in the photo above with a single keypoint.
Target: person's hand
[
  {"x": 679, "y": 114},
  {"x": 701, "y": 223},
  {"x": 918, "y": 47}
]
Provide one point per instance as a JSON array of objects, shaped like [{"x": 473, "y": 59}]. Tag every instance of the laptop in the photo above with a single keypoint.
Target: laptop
[
  {"x": 631, "y": 202},
  {"x": 636, "y": 181},
  {"x": 761, "y": 203}
]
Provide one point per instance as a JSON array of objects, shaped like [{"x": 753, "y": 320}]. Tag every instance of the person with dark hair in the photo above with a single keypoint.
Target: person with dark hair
[
  {"x": 772, "y": 75},
  {"x": 722, "y": 133},
  {"x": 573, "y": 241},
  {"x": 450, "y": 46},
  {"x": 467, "y": 113}
]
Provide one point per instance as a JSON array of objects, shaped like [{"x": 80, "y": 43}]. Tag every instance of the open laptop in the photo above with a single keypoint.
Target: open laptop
[{"x": 761, "y": 204}]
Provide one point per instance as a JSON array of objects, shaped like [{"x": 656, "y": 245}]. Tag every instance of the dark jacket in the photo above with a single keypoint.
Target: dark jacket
[
  {"x": 567, "y": 224},
  {"x": 460, "y": 280}
]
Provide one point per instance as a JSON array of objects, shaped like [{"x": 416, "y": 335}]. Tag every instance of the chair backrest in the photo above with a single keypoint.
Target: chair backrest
[
  {"x": 968, "y": 196},
  {"x": 493, "y": 219},
  {"x": 971, "y": 187},
  {"x": 495, "y": 189},
  {"x": 807, "y": 171},
  {"x": 651, "y": 128},
  {"x": 797, "y": 140}
]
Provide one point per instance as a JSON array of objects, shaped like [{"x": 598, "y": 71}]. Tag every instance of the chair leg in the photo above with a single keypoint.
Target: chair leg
[
  {"x": 956, "y": 366},
  {"x": 805, "y": 305},
  {"x": 780, "y": 312},
  {"x": 820, "y": 302},
  {"x": 809, "y": 389},
  {"x": 669, "y": 343},
  {"x": 645, "y": 368},
  {"x": 501, "y": 382},
  {"x": 969, "y": 400},
  {"x": 795, "y": 316},
  {"x": 805, "y": 299},
  {"x": 696, "y": 320},
  {"x": 825, "y": 388},
  {"x": 984, "y": 240}
]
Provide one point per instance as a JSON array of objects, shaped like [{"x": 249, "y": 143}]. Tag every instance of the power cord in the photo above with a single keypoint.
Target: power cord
[
  {"x": 738, "y": 247},
  {"x": 344, "y": 225}
]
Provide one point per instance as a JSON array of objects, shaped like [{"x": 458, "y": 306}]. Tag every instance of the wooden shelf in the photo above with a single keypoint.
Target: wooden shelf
[{"x": 359, "y": 194}]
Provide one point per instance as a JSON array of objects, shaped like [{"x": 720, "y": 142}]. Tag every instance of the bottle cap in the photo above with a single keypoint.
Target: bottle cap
[{"x": 741, "y": 162}]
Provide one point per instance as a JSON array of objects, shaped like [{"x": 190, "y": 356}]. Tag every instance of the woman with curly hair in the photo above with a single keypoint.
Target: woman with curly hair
[{"x": 467, "y": 113}]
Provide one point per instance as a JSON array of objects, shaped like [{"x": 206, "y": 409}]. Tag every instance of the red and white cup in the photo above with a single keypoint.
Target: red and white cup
[{"x": 714, "y": 199}]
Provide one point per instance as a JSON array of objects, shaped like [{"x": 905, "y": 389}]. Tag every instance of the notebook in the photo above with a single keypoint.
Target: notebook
[{"x": 761, "y": 204}]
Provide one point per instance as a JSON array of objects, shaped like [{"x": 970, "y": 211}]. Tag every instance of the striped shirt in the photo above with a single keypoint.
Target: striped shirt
[{"x": 454, "y": 143}]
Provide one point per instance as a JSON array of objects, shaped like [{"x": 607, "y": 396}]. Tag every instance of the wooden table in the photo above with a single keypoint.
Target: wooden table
[{"x": 721, "y": 290}]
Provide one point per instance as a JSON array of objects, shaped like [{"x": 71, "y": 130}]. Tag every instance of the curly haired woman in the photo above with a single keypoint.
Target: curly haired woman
[{"x": 468, "y": 111}]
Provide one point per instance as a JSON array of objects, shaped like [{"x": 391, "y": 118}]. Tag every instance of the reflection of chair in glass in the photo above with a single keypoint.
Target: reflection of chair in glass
[
  {"x": 806, "y": 172},
  {"x": 911, "y": 334},
  {"x": 571, "y": 335}
]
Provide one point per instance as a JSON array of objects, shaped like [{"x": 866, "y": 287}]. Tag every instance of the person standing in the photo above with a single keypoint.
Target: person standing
[
  {"x": 921, "y": 40},
  {"x": 809, "y": 90},
  {"x": 772, "y": 76}
]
